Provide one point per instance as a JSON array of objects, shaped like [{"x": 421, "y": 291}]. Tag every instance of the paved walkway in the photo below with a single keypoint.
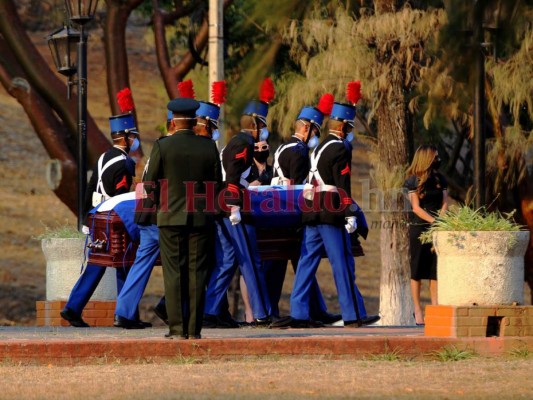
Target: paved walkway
[
  {"x": 38, "y": 345},
  {"x": 62, "y": 333}
]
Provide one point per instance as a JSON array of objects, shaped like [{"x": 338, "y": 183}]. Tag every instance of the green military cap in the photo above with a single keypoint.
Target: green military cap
[{"x": 183, "y": 106}]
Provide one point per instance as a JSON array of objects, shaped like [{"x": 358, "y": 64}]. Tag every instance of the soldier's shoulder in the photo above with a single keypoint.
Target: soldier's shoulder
[
  {"x": 237, "y": 143},
  {"x": 242, "y": 137},
  {"x": 335, "y": 145},
  {"x": 300, "y": 148},
  {"x": 112, "y": 153}
]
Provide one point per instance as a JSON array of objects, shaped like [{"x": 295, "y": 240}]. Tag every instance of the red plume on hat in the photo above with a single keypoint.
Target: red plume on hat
[
  {"x": 267, "y": 92},
  {"x": 325, "y": 104},
  {"x": 186, "y": 89},
  {"x": 125, "y": 100},
  {"x": 353, "y": 92},
  {"x": 218, "y": 92}
]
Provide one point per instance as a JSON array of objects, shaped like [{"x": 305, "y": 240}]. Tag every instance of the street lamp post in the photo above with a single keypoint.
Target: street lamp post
[{"x": 79, "y": 12}]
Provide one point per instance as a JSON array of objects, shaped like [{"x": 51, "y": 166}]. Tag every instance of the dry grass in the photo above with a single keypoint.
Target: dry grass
[{"x": 269, "y": 379}]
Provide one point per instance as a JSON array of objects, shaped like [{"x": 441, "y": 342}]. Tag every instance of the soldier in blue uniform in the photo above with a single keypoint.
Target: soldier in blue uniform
[
  {"x": 237, "y": 239},
  {"x": 112, "y": 175},
  {"x": 291, "y": 166},
  {"x": 329, "y": 214}
]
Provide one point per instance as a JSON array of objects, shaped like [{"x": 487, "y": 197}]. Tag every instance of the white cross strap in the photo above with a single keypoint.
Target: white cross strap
[
  {"x": 314, "y": 174},
  {"x": 100, "y": 185},
  {"x": 281, "y": 180}
]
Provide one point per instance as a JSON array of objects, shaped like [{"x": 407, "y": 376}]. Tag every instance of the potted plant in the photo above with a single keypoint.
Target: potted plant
[
  {"x": 480, "y": 257},
  {"x": 64, "y": 249}
]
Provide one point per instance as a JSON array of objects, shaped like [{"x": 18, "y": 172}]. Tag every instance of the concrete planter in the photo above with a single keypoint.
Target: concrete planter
[
  {"x": 64, "y": 257},
  {"x": 480, "y": 267}
]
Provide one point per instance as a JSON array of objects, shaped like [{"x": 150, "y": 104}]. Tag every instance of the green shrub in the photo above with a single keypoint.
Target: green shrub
[
  {"x": 62, "y": 231},
  {"x": 392, "y": 355},
  {"x": 452, "y": 353},
  {"x": 466, "y": 218}
]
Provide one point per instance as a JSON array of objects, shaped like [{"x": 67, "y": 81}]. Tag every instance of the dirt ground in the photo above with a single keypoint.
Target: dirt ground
[{"x": 274, "y": 379}]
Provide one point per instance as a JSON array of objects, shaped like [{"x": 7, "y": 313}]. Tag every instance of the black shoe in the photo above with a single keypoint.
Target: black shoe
[
  {"x": 261, "y": 322},
  {"x": 327, "y": 318},
  {"x": 275, "y": 318},
  {"x": 121, "y": 322},
  {"x": 161, "y": 311},
  {"x": 353, "y": 324},
  {"x": 73, "y": 318},
  {"x": 416, "y": 323},
  {"x": 176, "y": 337},
  {"x": 289, "y": 322},
  {"x": 370, "y": 319},
  {"x": 227, "y": 322},
  {"x": 209, "y": 321},
  {"x": 197, "y": 336},
  {"x": 213, "y": 322}
]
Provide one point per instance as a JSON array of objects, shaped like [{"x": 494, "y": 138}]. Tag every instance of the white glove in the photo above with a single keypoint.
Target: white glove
[
  {"x": 235, "y": 216},
  {"x": 351, "y": 224},
  {"x": 85, "y": 229}
]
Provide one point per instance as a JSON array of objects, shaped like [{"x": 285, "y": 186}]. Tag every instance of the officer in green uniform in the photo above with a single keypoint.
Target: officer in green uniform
[{"x": 182, "y": 180}]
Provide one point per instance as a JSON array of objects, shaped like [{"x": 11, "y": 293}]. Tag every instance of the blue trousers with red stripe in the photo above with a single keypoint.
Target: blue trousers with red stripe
[
  {"x": 336, "y": 242},
  {"x": 236, "y": 245}
]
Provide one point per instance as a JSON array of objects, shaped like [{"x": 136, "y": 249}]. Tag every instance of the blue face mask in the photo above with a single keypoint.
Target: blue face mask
[
  {"x": 135, "y": 145},
  {"x": 215, "y": 135},
  {"x": 263, "y": 134},
  {"x": 349, "y": 137},
  {"x": 313, "y": 142}
]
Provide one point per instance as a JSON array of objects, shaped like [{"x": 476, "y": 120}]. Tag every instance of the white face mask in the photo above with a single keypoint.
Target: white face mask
[
  {"x": 216, "y": 135},
  {"x": 313, "y": 142},
  {"x": 263, "y": 134}
]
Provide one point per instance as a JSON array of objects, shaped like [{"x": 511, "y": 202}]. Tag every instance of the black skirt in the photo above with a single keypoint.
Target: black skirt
[{"x": 423, "y": 258}]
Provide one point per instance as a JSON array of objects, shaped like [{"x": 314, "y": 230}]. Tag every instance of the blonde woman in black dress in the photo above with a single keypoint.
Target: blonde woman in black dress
[{"x": 427, "y": 192}]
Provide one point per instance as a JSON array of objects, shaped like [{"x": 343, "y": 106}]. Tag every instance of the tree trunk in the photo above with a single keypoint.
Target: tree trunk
[
  {"x": 159, "y": 20},
  {"x": 52, "y": 133},
  {"x": 42, "y": 79},
  {"x": 396, "y": 305},
  {"x": 174, "y": 74},
  {"x": 26, "y": 76},
  {"x": 117, "y": 71}
]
